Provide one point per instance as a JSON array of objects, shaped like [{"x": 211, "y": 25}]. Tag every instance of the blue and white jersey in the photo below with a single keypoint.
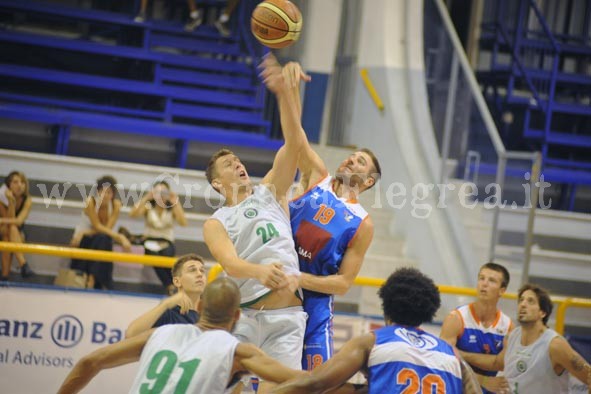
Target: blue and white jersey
[
  {"x": 323, "y": 225},
  {"x": 408, "y": 359},
  {"x": 475, "y": 338}
]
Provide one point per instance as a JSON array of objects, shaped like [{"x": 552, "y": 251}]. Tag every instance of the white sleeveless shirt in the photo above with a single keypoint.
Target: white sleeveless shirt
[
  {"x": 529, "y": 368},
  {"x": 182, "y": 358},
  {"x": 261, "y": 233}
]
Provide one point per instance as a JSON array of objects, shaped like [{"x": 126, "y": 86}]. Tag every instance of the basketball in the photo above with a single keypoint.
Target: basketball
[{"x": 276, "y": 23}]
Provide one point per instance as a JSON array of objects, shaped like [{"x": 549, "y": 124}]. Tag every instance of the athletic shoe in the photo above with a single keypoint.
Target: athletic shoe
[
  {"x": 26, "y": 271},
  {"x": 223, "y": 28},
  {"x": 194, "y": 23},
  {"x": 140, "y": 18}
]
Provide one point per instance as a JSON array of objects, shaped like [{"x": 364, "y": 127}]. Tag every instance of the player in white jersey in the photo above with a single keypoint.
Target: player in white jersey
[
  {"x": 250, "y": 236},
  {"x": 202, "y": 358},
  {"x": 399, "y": 358},
  {"x": 481, "y": 326},
  {"x": 535, "y": 359}
]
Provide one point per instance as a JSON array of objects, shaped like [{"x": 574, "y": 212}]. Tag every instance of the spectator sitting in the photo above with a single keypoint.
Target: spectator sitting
[
  {"x": 160, "y": 208},
  {"x": 15, "y": 205},
  {"x": 95, "y": 231},
  {"x": 195, "y": 16},
  {"x": 223, "y": 22}
]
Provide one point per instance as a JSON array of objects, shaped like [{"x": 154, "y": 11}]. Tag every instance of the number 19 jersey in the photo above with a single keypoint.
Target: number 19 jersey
[{"x": 183, "y": 359}]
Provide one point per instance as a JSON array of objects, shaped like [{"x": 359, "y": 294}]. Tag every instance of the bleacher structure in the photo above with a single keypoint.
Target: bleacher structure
[
  {"x": 534, "y": 70},
  {"x": 64, "y": 67}
]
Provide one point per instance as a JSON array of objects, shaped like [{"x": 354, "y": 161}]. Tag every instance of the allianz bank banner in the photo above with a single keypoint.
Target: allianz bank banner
[{"x": 45, "y": 331}]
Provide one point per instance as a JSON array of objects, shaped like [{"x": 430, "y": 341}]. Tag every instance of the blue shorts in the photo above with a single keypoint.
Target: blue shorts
[{"x": 318, "y": 342}]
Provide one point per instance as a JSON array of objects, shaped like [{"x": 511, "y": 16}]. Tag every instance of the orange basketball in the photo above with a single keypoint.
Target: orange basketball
[{"x": 276, "y": 23}]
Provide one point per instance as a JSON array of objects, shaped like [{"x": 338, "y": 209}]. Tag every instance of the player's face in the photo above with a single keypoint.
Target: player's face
[
  {"x": 489, "y": 286},
  {"x": 192, "y": 279},
  {"x": 17, "y": 186},
  {"x": 356, "y": 170},
  {"x": 528, "y": 308},
  {"x": 231, "y": 173}
]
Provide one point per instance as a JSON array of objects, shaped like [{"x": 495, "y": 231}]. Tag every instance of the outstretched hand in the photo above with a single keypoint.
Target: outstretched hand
[{"x": 278, "y": 78}]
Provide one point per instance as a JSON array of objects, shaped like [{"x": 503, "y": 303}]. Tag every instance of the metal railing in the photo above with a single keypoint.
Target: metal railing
[
  {"x": 460, "y": 69},
  {"x": 216, "y": 270}
]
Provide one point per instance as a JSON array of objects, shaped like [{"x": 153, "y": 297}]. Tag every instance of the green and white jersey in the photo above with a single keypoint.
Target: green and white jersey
[
  {"x": 261, "y": 233},
  {"x": 180, "y": 358}
]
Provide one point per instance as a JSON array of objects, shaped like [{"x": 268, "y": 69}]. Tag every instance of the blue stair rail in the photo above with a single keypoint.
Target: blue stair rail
[
  {"x": 212, "y": 98},
  {"x": 532, "y": 79}
]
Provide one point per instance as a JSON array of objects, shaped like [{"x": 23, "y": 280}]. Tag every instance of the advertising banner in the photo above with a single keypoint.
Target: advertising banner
[{"x": 44, "y": 332}]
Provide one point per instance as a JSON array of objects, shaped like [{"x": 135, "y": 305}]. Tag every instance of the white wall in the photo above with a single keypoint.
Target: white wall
[{"x": 321, "y": 30}]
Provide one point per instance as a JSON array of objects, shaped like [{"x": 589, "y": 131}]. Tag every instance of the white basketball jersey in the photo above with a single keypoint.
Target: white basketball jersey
[
  {"x": 180, "y": 358},
  {"x": 261, "y": 233},
  {"x": 529, "y": 368}
]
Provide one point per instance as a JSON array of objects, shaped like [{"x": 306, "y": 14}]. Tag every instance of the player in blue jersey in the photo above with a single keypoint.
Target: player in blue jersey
[
  {"x": 331, "y": 231},
  {"x": 480, "y": 327},
  {"x": 401, "y": 357}
]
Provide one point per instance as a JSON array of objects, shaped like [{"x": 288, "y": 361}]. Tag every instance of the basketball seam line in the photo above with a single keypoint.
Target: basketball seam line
[
  {"x": 278, "y": 11},
  {"x": 275, "y": 27}
]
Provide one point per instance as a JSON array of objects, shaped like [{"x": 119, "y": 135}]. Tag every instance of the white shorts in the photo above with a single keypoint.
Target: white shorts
[{"x": 278, "y": 332}]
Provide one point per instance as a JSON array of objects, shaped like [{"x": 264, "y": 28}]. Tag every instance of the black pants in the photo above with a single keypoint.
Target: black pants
[
  {"x": 102, "y": 271},
  {"x": 164, "y": 274}
]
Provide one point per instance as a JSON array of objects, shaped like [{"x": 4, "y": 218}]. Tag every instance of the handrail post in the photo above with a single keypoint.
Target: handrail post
[
  {"x": 533, "y": 200},
  {"x": 500, "y": 181},
  {"x": 561, "y": 315},
  {"x": 449, "y": 114}
]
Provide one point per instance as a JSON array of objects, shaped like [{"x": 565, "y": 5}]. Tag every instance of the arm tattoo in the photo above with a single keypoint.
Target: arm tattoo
[{"x": 577, "y": 362}]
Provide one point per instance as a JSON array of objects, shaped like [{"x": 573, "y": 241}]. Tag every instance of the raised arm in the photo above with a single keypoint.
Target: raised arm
[
  {"x": 147, "y": 320},
  {"x": 350, "y": 266},
  {"x": 120, "y": 353},
  {"x": 223, "y": 251},
  {"x": 562, "y": 354},
  {"x": 284, "y": 167},
  {"x": 177, "y": 209},
  {"x": 349, "y": 360},
  {"x": 140, "y": 209}
]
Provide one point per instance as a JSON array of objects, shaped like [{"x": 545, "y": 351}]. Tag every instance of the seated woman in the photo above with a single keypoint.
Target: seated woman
[
  {"x": 95, "y": 231},
  {"x": 160, "y": 208},
  {"x": 15, "y": 205}
]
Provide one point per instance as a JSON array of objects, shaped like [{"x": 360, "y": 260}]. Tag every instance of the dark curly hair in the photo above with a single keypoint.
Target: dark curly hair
[{"x": 409, "y": 297}]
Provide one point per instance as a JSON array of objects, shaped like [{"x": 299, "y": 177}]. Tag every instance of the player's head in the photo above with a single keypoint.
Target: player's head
[
  {"x": 533, "y": 304},
  {"x": 188, "y": 273},
  {"x": 493, "y": 280},
  {"x": 106, "y": 187},
  {"x": 220, "y": 304},
  {"x": 409, "y": 298},
  {"x": 17, "y": 183},
  {"x": 361, "y": 170},
  {"x": 226, "y": 173}
]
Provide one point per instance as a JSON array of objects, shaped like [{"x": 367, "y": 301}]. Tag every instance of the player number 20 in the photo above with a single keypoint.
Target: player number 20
[
  {"x": 161, "y": 367},
  {"x": 416, "y": 385}
]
